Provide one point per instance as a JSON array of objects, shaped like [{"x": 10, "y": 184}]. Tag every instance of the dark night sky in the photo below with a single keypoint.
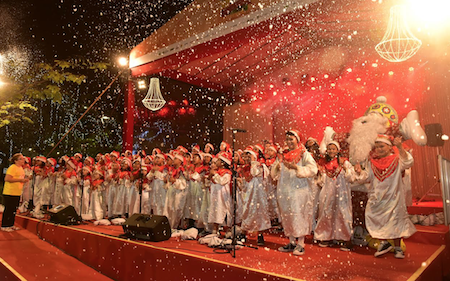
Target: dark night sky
[{"x": 99, "y": 30}]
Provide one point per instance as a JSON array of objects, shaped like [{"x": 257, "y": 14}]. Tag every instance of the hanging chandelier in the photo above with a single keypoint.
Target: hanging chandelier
[
  {"x": 154, "y": 99},
  {"x": 398, "y": 43}
]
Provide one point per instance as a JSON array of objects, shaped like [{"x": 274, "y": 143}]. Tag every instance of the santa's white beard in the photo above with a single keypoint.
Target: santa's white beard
[{"x": 363, "y": 134}]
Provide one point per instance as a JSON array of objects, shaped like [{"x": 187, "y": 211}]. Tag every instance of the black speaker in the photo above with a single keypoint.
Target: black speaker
[
  {"x": 64, "y": 214},
  {"x": 434, "y": 134},
  {"x": 147, "y": 227}
]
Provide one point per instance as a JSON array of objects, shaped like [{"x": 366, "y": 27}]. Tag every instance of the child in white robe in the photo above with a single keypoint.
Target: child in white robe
[
  {"x": 335, "y": 220},
  {"x": 220, "y": 200},
  {"x": 386, "y": 213},
  {"x": 255, "y": 209},
  {"x": 158, "y": 191},
  {"x": 295, "y": 172},
  {"x": 176, "y": 193}
]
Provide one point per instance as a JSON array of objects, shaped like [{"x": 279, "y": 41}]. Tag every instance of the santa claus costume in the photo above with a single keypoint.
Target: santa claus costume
[{"x": 295, "y": 172}]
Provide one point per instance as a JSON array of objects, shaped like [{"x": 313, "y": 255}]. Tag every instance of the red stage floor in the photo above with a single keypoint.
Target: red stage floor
[
  {"x": 30, "y": 258},
  {"x": 120, "y": 259}
]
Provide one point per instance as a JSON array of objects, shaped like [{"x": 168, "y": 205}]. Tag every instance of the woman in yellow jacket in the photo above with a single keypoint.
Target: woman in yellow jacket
[{"x": 12, "y": 190}]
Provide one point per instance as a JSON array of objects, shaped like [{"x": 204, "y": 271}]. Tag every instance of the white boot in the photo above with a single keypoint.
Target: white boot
[{"x": 410, "y": 128}]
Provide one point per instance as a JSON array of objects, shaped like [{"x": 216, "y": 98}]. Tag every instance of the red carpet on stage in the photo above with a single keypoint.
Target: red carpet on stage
[
  {"x": 122, "y": 259},
  {"x": 23, "y": 256}
]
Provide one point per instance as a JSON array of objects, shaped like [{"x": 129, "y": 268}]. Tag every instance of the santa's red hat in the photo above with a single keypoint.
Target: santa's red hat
[
  {"x": 258, "y": 147},
  {"x": 78, "y": 154},
  {"x": 210, "y": 146},
  {"x": 385, "y": 138},
  {"x": 182, "y": 149},
  {"x": 115, "y": 154},
  {"x": 196, "y": 148},
  {"x": 71, "y": 164},
  {"x": 180, "y": 157},
  {"x": 226, "y": 145},
  {"x": 40, "y": 158},
  {"x": 296, "y": 133},
  {"x": 99, "y": 172},
  {"x": 250, "y": 150},
  {"x": 90, "y": 160},
  {"x": 225, "y": 157},
  {"x": 156, "y": 151},
  {"x": 51, "y": 161},
  {"x": 87, "y": 168},
  {"x": 127, "y": 161}
]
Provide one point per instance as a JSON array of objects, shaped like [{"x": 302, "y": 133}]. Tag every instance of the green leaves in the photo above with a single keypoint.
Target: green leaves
[
  {"x": 41, "y": 81},
  {"x": 13, "y": 112}
]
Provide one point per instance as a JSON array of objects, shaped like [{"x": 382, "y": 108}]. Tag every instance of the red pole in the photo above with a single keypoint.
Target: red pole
[{"x": 128, "y": 121}]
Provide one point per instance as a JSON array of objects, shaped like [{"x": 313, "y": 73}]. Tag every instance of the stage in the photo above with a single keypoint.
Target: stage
[{"x": 100, "y": 247}]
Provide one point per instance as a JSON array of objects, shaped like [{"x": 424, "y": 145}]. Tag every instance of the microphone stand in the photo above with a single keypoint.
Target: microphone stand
[
  {"x": 82, "y": 193},
  {"x": 31, "y": 201},
  {"x": 141, "y": 179},
  {"x": 232, "y": 248}
]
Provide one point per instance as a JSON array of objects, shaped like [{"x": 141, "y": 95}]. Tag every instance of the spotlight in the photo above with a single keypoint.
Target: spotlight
[
  {"x": 142, "y": 84},
  {"x": 123, "y": 61}
]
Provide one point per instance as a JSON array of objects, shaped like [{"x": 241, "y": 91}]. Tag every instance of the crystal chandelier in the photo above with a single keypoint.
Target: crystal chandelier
[
  {"x": 398, "y": 43},
  {"x": 154, "y": 100}
]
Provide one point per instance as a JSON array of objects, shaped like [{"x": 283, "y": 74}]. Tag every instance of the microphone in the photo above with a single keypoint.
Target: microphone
[{"x": 238, "y": 130}]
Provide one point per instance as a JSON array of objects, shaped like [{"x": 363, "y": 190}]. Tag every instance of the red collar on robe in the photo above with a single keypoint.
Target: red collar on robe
[
  {"x": 87, "y": 178},
  {"x": 200, "y": 169},
  {"x": 177, "y": 172},
  {"x": 332, "y": 167},
  {"x": 160, "y": 168},
  {"x": 222, "y": 172},
  {"x": 96, "y": 184},
  {"x": 123, "y": 174},
  {"x": 295, "y": 155},
  {"x": 270, "y": 161},
  {"x": 70, "y": 174},
  {"x": 386, "y": 166},
  {"x": 245, "y": 172}
]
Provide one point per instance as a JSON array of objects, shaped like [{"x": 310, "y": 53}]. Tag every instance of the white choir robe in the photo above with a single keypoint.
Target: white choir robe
[
  {"x": 135, "y": 198},
  {"x": 158, "y": 191},
  {"x": 175, "y": 201},
  {"x": 386, "y": 213},
  {"x": 112, "y": 186},
  {"x": 145, "y": 204},
  {"x": 96, "y": 206},
  {"x": 271, "y": 189},
  {"x": 48, "y": 189},
  {"x": 26, "y": 191},
  {"x": 86, "y": 197},
  {"x": 204, "y": 210},
  {"x": 67, "y": 191},
  {"x": 121, "y": 198},
  {"x": 255, "y": 208},
  {"x": 220, "y": 200},
  {"x": 335, "y": 221},
  {"x": 40, "y": 184},
  {"x": 294, "y": 195},
  {"x": 59, "y": 185},
  {"x": 194, "y": 197},
  {"x": 77, "y": 198}
]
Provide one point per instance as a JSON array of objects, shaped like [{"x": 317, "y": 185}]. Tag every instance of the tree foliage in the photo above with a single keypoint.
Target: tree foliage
[{"x": 24, "y": 83}]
